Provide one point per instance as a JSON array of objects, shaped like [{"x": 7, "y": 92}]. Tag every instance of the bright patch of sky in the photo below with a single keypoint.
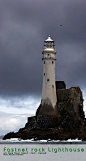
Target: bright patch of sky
[
  {"x": 84, "y": 103},
  {"x": 15, "y": 111},
  {"x": 12, "y": 122}
]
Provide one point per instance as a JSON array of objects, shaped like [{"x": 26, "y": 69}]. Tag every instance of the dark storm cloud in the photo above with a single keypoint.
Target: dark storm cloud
[{"x": 24, "y": 27}]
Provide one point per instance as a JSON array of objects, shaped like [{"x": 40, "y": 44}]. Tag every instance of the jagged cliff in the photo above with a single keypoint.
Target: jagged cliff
[{"x": 65, "y": 121}]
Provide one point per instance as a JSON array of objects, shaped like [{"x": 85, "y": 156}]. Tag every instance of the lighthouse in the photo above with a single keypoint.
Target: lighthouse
[{"x": 48, "y": 87}]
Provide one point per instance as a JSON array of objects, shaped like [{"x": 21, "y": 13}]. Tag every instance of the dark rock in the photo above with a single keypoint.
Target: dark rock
[
  {"x": 31, "y": 122},
  {"x": 9, "y": 135},
  {"x": 70, "y": 110}
]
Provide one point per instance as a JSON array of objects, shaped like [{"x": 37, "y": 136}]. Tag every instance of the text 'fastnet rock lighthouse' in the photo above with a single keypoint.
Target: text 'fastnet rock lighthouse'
[{"x": 49, "y": 88}]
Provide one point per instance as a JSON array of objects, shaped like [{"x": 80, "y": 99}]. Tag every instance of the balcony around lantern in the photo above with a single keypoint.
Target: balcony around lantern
[
  {"x": 49, "y": 50},
  {"x": 49, "y": 56}
]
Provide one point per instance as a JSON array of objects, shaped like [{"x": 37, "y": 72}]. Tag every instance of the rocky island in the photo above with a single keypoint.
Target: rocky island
[{"x": 66, "y": 121}]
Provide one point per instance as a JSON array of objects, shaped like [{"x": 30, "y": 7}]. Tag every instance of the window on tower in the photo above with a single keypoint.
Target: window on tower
[
  {"x": 44, "y": 62},
  {"x": 44, "y": 74},
  {"x": 52, "y": 62},
  {"x": 53, "y": 86},
  {"x": 47, "y": 80}
]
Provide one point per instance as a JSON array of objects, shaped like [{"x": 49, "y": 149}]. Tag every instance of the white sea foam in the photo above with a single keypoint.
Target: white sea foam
[{"x": 41, "y": 141}]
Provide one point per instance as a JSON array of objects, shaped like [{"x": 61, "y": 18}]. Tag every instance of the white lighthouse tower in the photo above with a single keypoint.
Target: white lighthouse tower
[{"x": 49, "y": 88}]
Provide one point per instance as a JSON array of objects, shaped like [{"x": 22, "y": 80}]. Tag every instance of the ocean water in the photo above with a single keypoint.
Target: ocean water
[{"x": 42, "y": 151}]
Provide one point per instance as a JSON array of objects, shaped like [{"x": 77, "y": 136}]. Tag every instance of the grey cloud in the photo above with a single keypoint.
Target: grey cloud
[{"x": 22, "y": 102}]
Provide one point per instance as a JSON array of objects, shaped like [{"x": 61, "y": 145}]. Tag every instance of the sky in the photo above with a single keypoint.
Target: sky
[{"x": 24, "y": 25}]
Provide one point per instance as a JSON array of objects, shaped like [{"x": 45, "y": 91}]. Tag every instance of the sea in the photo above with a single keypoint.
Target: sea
[{"x": 42, "y": 150}]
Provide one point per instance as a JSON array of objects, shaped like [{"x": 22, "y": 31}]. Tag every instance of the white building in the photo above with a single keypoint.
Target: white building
[{"x": 49, "y": 89}]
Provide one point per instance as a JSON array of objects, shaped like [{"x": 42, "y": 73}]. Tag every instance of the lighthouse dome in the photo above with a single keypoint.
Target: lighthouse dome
[{"x": 49, "y": 39}]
